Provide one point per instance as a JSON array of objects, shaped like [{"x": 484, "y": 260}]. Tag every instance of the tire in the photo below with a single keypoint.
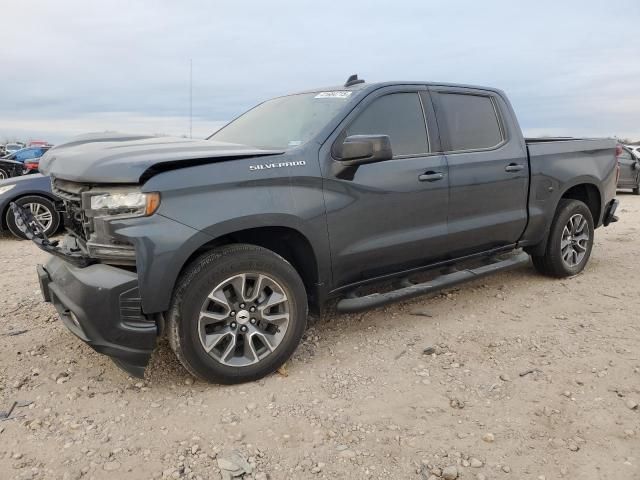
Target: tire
[
  {"x": 226, "y": 360},
  {"x": 636, "y": 191},
  {"x": 4, "y": 174},
  {"x": 558, "y": 261},
  {"x": 40, "y": 204}
]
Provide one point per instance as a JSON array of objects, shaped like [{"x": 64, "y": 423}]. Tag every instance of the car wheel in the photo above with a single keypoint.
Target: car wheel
[
  {"x": 237, "y": 314},
  {"x": 4, "y": 174},
  {"x": 636, "y": 191},
  {"x": 42, "y": 209},
  {"x": 570, "y": 241}
]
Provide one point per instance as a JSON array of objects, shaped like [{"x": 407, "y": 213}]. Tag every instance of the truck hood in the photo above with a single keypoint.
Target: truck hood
[{"x": 121, "y": 158}]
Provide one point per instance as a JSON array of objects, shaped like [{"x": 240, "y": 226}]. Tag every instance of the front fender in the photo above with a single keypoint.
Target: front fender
[{"x": 208, "y": 202}]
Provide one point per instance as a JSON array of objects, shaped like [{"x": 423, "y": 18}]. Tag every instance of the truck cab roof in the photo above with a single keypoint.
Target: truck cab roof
[{"x": 366, "y": 88}]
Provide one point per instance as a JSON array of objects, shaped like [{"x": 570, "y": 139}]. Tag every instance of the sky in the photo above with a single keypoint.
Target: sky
[{"x": 70, "y": 67}]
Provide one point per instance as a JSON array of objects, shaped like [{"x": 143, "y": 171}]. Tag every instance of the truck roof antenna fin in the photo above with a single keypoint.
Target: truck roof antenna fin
[{"x": 353, "y": 80}]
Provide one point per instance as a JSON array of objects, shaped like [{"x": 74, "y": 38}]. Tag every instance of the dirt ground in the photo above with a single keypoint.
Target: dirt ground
[{"x": 526, "y": 378}]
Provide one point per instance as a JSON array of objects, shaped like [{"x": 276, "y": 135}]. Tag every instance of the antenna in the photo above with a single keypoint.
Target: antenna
[
  {"x": 191, "y": 98},
  {"x": 353, "y": 80}
]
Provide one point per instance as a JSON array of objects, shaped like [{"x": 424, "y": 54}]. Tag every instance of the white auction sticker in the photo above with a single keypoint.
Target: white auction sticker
[{"x": 336, "y": 94}]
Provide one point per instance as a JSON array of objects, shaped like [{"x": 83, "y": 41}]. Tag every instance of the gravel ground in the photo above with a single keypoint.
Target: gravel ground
[{"x": 524, "y": 377}]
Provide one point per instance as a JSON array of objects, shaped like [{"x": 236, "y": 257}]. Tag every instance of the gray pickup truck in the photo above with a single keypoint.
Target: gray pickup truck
[{"x": 349, "y": 193}]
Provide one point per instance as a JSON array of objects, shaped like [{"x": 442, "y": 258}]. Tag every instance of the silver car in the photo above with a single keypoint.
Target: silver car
[
  {"x": 12, "y": 148},
  {"x": 629, "y": 163}
]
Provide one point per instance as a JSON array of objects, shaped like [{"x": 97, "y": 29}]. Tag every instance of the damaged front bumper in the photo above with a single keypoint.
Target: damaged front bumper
[
  {"x": 33, "y": 231},
  {"x": 99, "y": 303}
]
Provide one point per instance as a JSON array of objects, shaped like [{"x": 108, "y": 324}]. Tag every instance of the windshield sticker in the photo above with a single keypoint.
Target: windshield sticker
[
  {"x": 337, "y": 94},
  {"x": 295, "y": 143}
]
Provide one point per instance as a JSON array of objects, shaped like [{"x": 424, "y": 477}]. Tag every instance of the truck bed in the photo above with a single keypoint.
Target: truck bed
[
  {"x": 599, "y": 152},
  {"x": 553, "y": 163}
]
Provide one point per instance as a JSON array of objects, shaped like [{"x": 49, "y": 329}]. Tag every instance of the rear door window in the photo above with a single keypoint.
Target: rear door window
[
  {"x": 398, "y": 115},
  {"x": 470, "y": 121}
]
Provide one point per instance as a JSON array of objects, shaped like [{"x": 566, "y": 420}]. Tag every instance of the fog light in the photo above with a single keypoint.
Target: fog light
[{"x": 122, "y": 252}]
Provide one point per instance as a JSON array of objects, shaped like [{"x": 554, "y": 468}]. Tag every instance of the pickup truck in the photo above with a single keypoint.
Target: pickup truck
[{"x": 354, "y": 194}]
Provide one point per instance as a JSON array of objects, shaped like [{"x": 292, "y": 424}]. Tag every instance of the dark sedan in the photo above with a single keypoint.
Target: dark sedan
[
  {"x": 10, "y": 168},
  {"x": 21, "y": 157},
  {"x": 33, "y": 192}
]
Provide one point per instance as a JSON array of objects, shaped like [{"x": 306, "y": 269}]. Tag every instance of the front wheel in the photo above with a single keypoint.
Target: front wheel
[
  {"x": 570, "y": 241},
  {"x": 238, "y": 313},
  {"x": 4, "y": 174}
]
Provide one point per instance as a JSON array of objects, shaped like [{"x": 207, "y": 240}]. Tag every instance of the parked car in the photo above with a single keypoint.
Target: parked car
[
  {"x": 31, "y": 166},
  {"x": 223, "y": 244},
  {"x": 28, "y": 153},
  {"x": 635, "y": 149},
  {"x": 12, "y": 148},
  {"x": 25, "y": 160},
  {"x": 38, "y": 143},
  {"x": 34, "y": 193},
  {"x": 629, "y": 165},
  {"x": 10, "y": 168}
]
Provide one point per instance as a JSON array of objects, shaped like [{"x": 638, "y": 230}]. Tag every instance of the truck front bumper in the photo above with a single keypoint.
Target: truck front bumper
[{"x": 100, "y": 304}]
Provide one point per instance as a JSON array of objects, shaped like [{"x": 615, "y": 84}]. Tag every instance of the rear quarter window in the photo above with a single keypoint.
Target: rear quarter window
[{"x": 470, "y": 121}]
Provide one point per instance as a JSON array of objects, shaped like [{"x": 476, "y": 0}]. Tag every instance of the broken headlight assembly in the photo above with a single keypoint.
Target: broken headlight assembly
[
  {"x": 123, "y": 203},
  {"x": 102, "y": 208}
]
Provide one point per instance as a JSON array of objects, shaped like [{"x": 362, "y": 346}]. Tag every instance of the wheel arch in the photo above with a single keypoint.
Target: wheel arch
[
  {"x": 585, "y": 190},
  {"x": 589, "y": 194},
  {"x": 288, "y": 242}
]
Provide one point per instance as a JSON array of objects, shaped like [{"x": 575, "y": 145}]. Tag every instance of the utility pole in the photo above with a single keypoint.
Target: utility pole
[{"x": 190, "y": 98}]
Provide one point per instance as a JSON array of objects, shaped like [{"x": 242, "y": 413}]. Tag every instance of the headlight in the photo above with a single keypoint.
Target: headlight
[
  {"x": 6, "y": 188},
  {"x": 130, "y": 204}
]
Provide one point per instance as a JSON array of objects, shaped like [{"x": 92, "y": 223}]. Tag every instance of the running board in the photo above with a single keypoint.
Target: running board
[{"x": 374, "y": 300}]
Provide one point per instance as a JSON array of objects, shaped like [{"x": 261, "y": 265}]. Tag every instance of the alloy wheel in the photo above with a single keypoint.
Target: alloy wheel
[
  {"x": 575, "y": 240},
  {"x": 244, "y": 319},
  {"x": 42, "y": 215}
]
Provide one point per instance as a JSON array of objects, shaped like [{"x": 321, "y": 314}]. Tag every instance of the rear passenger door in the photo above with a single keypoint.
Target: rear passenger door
[{"x": 488, "y": 170}]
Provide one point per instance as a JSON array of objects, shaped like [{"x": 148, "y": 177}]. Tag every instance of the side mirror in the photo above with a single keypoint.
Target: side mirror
[{"x": 362, "y": 149}]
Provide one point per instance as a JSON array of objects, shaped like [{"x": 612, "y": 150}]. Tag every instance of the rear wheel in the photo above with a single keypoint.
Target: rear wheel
[
  {"x": 42, "y": 209},
  {"x": 570, "y": 241},
  {"x": 237, "y": 314}
]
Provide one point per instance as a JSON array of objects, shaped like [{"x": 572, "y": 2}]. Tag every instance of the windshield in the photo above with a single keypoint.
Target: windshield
[
  {"x": 284, "y": 122},
  {"x": 13, "y": 146}
]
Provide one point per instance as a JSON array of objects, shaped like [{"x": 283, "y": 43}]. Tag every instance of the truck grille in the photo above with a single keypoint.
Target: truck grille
[
  {"x": 71, "y": 195},
  {"x": 69, "y": 191}
]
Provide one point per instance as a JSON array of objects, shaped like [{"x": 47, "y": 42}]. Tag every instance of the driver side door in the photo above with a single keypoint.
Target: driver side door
[{"x": 390, "y": 216}]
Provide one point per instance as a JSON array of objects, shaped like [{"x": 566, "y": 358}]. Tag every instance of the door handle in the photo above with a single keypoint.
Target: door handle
[
  {"x": 513, "y": 167},
  {"x": 431, "y": 176}
]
